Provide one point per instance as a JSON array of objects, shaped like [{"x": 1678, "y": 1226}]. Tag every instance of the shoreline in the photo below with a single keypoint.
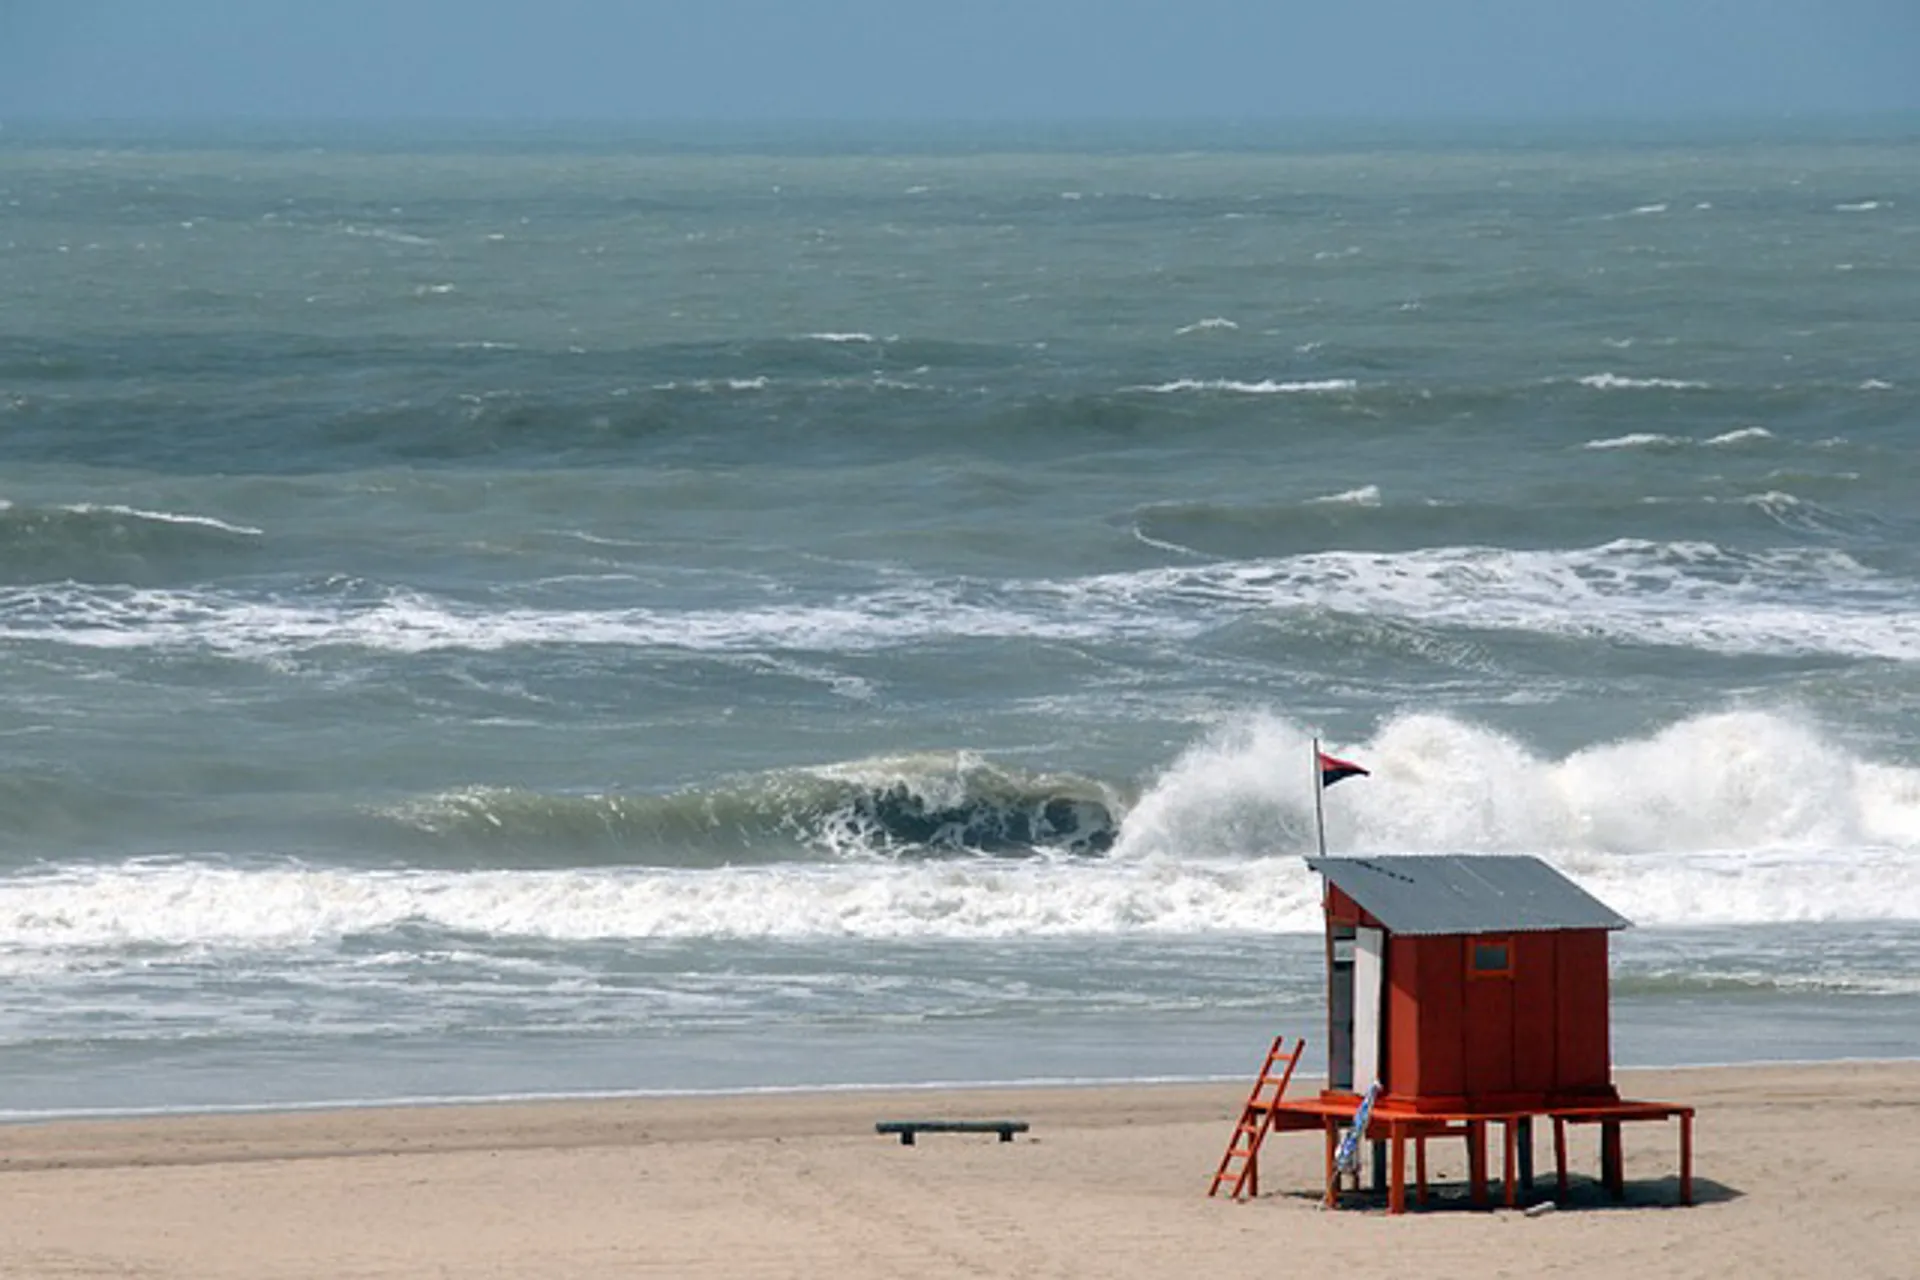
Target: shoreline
[
  {"x": 14, "y": 1119},
  {"x": 1799, "y": 1169}
]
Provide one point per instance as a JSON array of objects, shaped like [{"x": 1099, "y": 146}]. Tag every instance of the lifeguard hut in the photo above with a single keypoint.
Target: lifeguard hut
[
  {"x": 1466, "y": 983},
  {"x": 1466, "y": 991}
]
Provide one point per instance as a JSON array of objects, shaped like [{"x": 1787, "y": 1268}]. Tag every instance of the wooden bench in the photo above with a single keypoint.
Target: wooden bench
[{"x": 908, "y": 1128}]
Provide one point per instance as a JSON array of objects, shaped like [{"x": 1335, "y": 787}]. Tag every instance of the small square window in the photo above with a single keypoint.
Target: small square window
[{"x": 1490, "y": 958}]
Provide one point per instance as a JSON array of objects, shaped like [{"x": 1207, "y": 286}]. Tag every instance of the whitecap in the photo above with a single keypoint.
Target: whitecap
[
  {"x": 1636, "y": 440},
  {"x": 1211, "y": 322},
  {"x": 1741, "y": 436},
  {"x": 1266, "y": 387},
  {"x": 1367, "y": 495},
  {"x": 164, "y": 517},
  {"x": 760, "y": 383},
  {"x": 1618, "y": 382},
  {"x": 378, "y": 233}
]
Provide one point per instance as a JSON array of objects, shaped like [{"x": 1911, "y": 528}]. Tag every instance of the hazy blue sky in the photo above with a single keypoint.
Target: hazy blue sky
[{"x": 956, "y": 59}]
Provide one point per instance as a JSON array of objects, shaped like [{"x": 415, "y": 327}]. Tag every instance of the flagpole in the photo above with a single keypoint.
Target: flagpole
[{"x": 1319, "y": 809}]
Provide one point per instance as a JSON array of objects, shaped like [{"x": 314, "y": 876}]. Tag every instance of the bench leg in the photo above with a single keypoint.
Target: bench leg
[{"x": 1420, "y": 1171}]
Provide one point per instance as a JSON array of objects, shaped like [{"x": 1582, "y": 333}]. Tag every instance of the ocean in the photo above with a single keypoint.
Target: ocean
[{"x": 582, "y": 611}]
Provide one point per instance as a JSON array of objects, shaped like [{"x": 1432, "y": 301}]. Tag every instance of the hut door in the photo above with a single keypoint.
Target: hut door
[
  {"x": 1369, "y": 967},
  {"x": 1339, "y": 1006}
]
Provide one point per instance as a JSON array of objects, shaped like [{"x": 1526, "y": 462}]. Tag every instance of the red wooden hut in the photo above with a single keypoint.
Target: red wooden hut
[
  {"x": 1466, "y": 983},
  {"x": 1472, "y": 990}
]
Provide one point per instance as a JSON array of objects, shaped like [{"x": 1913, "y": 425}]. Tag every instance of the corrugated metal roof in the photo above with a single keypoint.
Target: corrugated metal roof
[{"x": 1482, "y": 893}]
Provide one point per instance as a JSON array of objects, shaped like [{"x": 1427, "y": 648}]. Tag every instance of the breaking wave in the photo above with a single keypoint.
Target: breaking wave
[
  {"x": 930, "y": 805},
  {"x": 1731, "y": 818}
]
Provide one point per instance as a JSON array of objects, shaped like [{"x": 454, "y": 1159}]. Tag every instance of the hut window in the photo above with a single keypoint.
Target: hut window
[{"x": 1490, "y": 958}]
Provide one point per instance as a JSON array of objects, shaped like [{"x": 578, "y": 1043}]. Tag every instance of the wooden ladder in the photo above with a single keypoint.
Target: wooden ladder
[{"x": 1241, "y": 1164}]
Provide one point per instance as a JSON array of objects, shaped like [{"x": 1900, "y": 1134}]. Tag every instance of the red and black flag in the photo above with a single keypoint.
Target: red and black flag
[{"x": 1333, "y": 769}]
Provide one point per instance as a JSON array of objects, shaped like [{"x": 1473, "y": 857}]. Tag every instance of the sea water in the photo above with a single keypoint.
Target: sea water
[{"x": 588, "y": 611}]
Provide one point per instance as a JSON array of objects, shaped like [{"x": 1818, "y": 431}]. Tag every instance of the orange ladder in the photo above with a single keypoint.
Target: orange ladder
[{"x": 1241, "y": 1164}]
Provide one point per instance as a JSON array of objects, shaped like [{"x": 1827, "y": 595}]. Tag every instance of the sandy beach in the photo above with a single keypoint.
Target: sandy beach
[{"x": 1800, "y": 1171}]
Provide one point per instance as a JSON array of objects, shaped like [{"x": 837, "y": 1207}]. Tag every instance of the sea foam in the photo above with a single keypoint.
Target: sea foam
[
  {"x": 1685, "y": 594},
  {"x": 1730, "y": 818}
]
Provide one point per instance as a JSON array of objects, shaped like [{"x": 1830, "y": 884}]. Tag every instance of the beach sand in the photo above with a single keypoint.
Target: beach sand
[{"x": 1799, "y": 1171}]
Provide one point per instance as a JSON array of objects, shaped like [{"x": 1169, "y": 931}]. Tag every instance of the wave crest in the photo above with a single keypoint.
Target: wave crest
[
  {"x": 1735, "y": 817},
  {"x": 932, "y": 805},
  {"x": 92, "y": 542},
  {"x": 1734, "y": 780}
]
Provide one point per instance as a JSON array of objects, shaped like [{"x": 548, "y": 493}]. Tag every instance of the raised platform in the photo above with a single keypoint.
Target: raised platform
[{"x": 1397, "y": 1125}]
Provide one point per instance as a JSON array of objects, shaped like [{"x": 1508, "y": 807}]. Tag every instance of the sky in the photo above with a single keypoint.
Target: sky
[{"x": 747, "y": 60}]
